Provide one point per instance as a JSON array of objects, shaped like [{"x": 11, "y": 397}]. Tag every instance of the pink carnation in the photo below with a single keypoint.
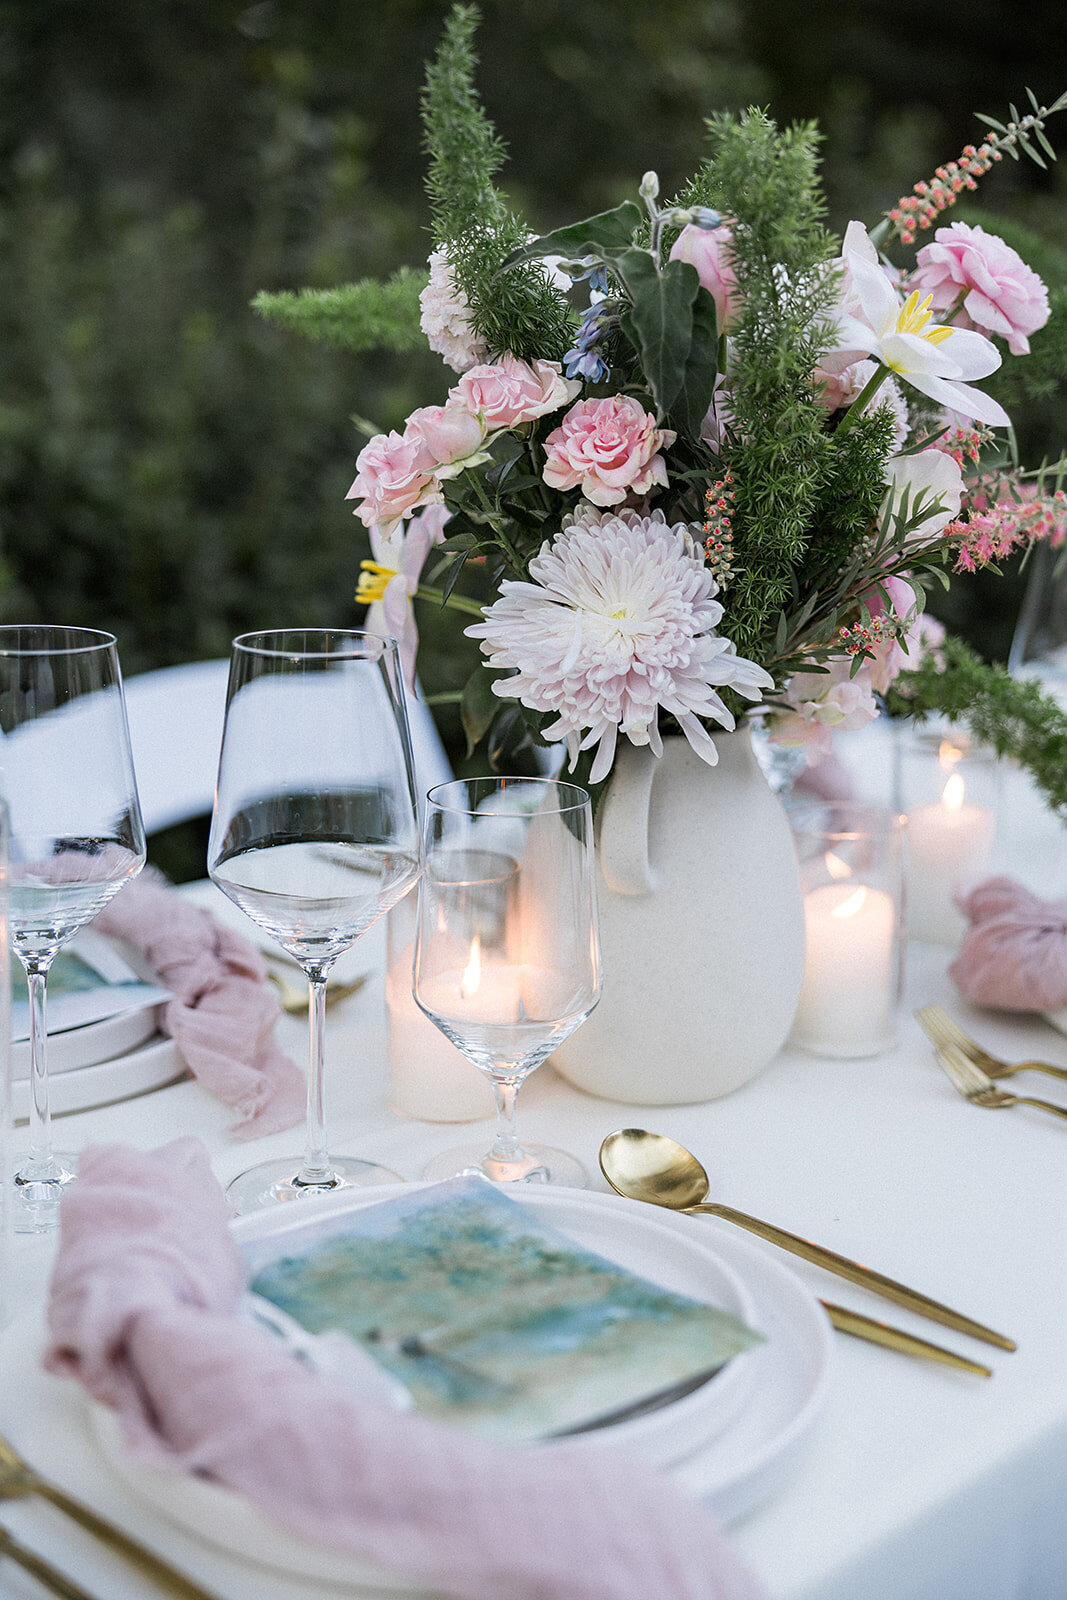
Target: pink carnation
[
  {"x": 708, "y": 251},
  {"x": 1004, "y": 295},
  {"x": 394, "y": 473},
  {"x": 607, "y": 448},
  {"x": 511, "y": 391}
]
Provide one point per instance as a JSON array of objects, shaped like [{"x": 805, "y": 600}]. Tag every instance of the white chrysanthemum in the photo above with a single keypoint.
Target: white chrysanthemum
[
  {"x": 445, "y": 318},
  {"x": 618, "y": 625}
]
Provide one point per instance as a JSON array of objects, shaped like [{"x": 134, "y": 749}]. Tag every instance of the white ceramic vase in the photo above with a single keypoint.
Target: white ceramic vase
[{"x": 701, "y": 925}]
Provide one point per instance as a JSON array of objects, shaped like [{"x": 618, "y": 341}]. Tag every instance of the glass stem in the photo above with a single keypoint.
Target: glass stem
[
  {"x": 506, "y": 1145},
  {"x": 39, "y": 1163},
  {"x": 316, "y": 1169}
]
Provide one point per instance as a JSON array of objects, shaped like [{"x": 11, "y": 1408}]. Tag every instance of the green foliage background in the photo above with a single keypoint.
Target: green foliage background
[{"x": 172, "y": 467}]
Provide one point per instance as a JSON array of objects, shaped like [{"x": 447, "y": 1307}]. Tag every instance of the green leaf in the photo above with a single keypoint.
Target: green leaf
[
  {"x": 661, "y": 317},
  {"x": 452, "y": 576},
  {"x": 1045, "y": 145},
  {"x": 1032, "y": 153},
  {"x": 701, "y": 368},
  {"x": 991, "y": 122},
  {"x": 606, "y": 233},
  {"x": 478, "y": 706}
]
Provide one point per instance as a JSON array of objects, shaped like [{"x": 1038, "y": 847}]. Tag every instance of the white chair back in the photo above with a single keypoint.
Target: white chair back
[{"x": 176, "y": 716}]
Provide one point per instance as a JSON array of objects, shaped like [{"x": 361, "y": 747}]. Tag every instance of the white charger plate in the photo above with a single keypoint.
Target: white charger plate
[
  {"x": 92, "y": 1042},
  {"x": 737, "y": 1450},
  {"x": 156, "y": 1063}
]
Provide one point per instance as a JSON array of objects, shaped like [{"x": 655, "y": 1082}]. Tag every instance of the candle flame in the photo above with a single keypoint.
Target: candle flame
[
  {"x": 952, "y": 798},
  {"x": 948, "y": 755},
  {"x": 471, "y": 980},
  {"x": 836, "y": 867},
  {"x": 849, "y": 907}
]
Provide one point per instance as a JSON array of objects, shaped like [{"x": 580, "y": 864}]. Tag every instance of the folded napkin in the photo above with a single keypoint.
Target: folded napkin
[
  {"x": 1014, "y": 956},
  {"x": 142, "y": 1305},
  {"x": 222, "y": 1015}
]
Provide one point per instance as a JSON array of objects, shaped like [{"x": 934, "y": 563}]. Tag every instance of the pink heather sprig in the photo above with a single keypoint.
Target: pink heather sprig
[
  {"x": 919, "y": 210},
  {"x": 963, "y": 444},
  {"x": 992, "y": 534},
  {"x": 862, "y": 638},
  {"x": 718, "y": 530}
]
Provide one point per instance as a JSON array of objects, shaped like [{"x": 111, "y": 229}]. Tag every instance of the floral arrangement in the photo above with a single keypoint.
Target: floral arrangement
[{"x": 702, "y": 459}]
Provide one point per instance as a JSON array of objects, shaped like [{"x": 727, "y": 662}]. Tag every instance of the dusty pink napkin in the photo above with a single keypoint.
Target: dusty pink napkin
[
  {"x": 142, "y": 1299},
  {"x": 1014, "y": 956},
  {"x": 222, "y": 1015}
]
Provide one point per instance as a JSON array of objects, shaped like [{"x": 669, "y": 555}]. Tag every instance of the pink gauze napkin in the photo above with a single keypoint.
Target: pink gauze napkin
[
  {"x": 1014, "y": 955},
  {"x": 142, "y": 1305},
  {"x": 222, "y": 1015}
]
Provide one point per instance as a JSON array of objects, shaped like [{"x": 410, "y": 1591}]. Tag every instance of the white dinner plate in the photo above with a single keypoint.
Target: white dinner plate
[
  {"x": 92, "y": 1042},
  {"x": 741, "y": 1432},
  {"x": 154, "y": 1064}
]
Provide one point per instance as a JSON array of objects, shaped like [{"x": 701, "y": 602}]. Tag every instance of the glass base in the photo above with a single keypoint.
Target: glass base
[
  {"x": 537, "y": 1163},
  {"x": 276, "y": 1182},
  {"x": 38, "y": 1189}
]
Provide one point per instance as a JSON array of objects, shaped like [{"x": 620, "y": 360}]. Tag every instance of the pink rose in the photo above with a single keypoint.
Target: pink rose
[
  {"x": 707, "y": 250},
  {"x": 394, "y": 473},
  {"x": 607, "y": 448},
  {"x": 450, "y": 432},
  {"x": 512, "y": 391},
  {"x": 1003, "y": 294}
]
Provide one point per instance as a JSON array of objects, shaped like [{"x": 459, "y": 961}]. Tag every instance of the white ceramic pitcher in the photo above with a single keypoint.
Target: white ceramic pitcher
[{"x": 701, "y": 926}]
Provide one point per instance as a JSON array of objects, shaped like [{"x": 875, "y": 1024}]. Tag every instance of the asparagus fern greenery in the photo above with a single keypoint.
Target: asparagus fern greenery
[{"x": 702, "y": 455}]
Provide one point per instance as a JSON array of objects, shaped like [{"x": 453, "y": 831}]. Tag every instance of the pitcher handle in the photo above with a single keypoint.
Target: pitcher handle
[{"x": 623, "y": 820}]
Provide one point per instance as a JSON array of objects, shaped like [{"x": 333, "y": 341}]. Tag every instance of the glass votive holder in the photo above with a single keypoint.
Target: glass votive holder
[
  {"x": 948, "y": 788},
  {"x": 852, "y": 879},
  {"x": 429, "y": 1079}
]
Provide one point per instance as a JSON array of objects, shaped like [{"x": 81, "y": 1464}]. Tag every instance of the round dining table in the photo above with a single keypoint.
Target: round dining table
[{"x": 914, "y": 1481}]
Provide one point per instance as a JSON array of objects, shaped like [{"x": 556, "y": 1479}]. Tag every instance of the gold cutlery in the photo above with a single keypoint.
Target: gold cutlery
[
  {"x": 973, "y": 1084},
  {"x": 906, "y": 1344},
  {"x": 53, "y": 1580},
  {"x": 941, "y": 1029},
  {"x": 293, "y": 995},
  {"x": 18, "y": 1480},
  {"x": 651, "y": 1167}
]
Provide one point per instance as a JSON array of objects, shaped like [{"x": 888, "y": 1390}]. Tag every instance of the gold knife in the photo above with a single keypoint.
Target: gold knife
[{"x": 907, "y": 1344}]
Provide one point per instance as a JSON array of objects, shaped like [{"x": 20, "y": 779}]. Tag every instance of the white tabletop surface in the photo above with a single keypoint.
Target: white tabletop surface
[{"x": 918, "y": 1483}]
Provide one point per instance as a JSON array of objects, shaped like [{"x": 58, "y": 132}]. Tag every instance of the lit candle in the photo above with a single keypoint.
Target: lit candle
[
  {"x": 428, "y": 1077},
  {"x": 949, "y": 842},
  {"x": 849, "y": 991}
]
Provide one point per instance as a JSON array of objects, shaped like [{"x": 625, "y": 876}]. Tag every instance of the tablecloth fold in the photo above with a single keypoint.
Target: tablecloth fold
[{"x": 142, "y": 1305}]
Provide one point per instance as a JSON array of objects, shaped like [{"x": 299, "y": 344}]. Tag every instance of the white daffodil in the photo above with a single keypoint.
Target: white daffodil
[
  {"x": 931, "y": 356},
  {"x": 930, "y": 485}
]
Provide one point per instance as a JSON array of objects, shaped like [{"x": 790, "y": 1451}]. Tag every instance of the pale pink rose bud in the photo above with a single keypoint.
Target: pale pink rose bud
[
  {"x": 449, "y": 432},
  {"x": 394, "y": 473},
  {"x": 1003, "y": 294},
  {"x": 707, "y": 252},
  {"x": 607, "y": 448},
  {"x": 509, "y": 391}
]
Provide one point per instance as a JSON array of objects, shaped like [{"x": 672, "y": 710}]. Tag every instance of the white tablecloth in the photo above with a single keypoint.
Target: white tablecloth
[{"x": 917, "y": 1484}]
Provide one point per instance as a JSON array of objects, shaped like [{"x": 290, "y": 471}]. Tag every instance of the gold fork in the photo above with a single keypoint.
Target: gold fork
[
  {"x": 18, "y": 1479},
  {"x": 293, "y": 995},
  {"x": 49, "y": 1577},
  {"x": 939, "y": 1027},
  {"x": 972, "y": 1082}
]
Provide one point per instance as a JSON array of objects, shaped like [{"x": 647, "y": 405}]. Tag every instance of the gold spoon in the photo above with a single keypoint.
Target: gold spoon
[{"x": 651, "y": 1167}]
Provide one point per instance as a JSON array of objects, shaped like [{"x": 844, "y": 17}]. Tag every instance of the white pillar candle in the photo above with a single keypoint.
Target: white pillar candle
[
  {"x": 428, "y": 1077},
  {"x": 949, "y": 842},
  {"x": 849, "y": 991}
]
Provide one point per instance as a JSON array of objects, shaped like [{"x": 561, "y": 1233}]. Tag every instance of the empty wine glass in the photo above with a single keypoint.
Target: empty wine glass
[
  {"x": 315, "y": 834},
  {"x": 76, "y": 837},
  {"x": 507, "y": 955}
]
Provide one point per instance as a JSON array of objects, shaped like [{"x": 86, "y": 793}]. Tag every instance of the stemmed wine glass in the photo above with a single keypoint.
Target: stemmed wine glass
[
  {"x": 76, "y": 837},
  {"x": 507, "y": 956},
  {"x": 315, "y": 834}
]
